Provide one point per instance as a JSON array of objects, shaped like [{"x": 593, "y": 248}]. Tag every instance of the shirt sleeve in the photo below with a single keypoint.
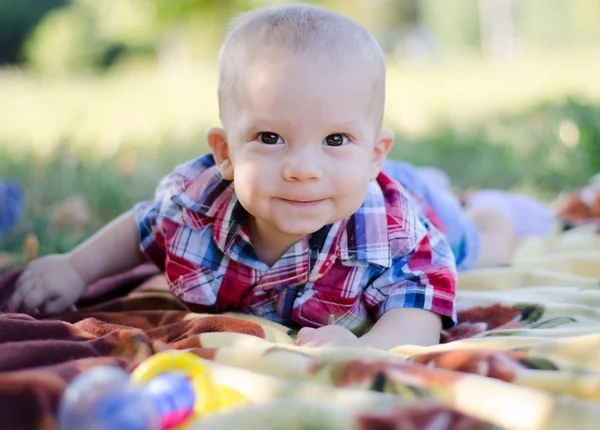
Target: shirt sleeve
[
  {"x": 425, "y": 278},
  {"x": 149, "y": 216}
]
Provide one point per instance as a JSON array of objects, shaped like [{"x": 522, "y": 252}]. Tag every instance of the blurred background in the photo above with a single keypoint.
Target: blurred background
[{"x": 100, "y": 98}]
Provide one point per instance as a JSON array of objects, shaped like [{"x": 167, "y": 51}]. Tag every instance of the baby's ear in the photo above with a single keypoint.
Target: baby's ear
[
  {"x": 380, "y": 151},
  {"x": 217, "y": 140}
]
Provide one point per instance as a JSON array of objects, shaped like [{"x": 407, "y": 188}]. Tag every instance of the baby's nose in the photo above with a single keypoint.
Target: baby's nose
[{"x": 302, "y": 166}]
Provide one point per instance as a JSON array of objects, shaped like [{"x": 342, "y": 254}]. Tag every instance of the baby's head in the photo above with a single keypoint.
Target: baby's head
[{"x": 301, "y": 95}]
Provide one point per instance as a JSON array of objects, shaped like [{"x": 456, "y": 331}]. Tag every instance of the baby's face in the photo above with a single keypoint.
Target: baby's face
[{"x": 304, "y": 143}]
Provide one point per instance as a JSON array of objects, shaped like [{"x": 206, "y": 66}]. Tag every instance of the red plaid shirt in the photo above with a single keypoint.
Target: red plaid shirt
[{"x": 387, "y": 255}]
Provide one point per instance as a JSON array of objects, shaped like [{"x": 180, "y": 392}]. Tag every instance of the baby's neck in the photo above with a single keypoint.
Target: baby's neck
[
  {"x": 269, "y": 244},
  {"x": 269, "y": 254}
]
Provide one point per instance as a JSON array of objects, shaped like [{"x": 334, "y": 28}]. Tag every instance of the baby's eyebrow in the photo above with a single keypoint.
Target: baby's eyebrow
[
  {"x": 345, "y": 125},
  {"x": 261, "y": 122}
]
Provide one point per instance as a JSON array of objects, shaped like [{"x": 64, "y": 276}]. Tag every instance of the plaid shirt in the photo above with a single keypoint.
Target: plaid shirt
[{"x": 387, "y": 255}]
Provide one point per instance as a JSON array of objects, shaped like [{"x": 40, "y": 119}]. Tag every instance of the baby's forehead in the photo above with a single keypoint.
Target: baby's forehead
[
  {"x": 272, "y": 66},
  {"x": 305, "y": 76},
  {"x": 321, "y": 39}
]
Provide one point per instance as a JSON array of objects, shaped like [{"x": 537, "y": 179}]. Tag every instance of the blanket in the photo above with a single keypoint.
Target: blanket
[{"x": 524, "y": 355}]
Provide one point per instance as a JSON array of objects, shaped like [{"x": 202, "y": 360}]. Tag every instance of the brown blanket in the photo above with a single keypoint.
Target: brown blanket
[{"x": 38, "y": 357}]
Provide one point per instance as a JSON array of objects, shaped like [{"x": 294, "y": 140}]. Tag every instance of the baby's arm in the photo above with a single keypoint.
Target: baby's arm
[
  {"x": 404, "y": 326},
  {"x": 112, "y": 250},
  {"x": 400, "y": 326},
  {"x": 53, "y": 283}
]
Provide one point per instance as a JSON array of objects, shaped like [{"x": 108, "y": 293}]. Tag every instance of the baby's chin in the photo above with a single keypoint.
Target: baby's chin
[{"x": 301, "y": 228}]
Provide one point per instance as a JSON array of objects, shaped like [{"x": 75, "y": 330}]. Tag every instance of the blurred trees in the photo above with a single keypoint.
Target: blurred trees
[
  {"x": 86, "y": 35},
  {"x": 17, "y": 20},
  {"x": 64, "y": 36},
  {"x": 89, "y": 35}
]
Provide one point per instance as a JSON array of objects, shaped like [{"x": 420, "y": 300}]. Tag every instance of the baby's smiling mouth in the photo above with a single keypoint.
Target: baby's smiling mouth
[{"x": 302, "y": 203}]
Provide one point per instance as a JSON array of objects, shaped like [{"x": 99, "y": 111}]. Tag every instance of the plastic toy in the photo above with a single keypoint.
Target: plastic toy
[
  {"x": 168, "y": 390},
  {"x": 173, "y": 396},
  {"x": 104, "y": 398}
]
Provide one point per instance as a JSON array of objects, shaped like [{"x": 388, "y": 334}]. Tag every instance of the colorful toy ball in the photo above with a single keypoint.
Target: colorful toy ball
[
  {"x": 173, "y": 396},
  {"x": 104, "y": 398},
  {"x": 181, "y": 386},
  {"x": 187, "y": 365}
]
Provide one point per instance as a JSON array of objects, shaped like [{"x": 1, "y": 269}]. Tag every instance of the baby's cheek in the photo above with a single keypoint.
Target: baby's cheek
[
  {"x": 354, "y": 192},
  {"x": 252, "y": 178},
  {"x": 248, "y": 184}
]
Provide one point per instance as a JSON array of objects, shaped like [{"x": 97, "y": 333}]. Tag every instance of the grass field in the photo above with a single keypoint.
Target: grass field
[{"x": 107, "y": 139}]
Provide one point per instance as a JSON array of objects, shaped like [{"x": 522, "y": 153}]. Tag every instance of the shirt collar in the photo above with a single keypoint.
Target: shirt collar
[
  {"x": 361, "y": 237},
  {"x": 208, "y": 194},
  {"x": 365, "y": 234}
]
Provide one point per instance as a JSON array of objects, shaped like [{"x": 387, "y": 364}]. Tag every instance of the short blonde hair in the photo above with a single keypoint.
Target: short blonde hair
[{"x": 303, "y": 30}]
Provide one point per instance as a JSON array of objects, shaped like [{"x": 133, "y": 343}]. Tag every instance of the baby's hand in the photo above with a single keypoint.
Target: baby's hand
[
  {"x": 331, "y": 335},
  {"x": 48, "y": 285}
]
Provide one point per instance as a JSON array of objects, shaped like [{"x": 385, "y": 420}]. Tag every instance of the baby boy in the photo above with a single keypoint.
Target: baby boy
[{"x": 290, "y": 217}]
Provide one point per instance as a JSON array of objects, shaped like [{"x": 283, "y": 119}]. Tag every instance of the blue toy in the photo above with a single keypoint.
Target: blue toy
[
  {"x": 173, "y": 396},
  {"x": 169, "y": 390},
  {"x": 12, "y": 204},
  {"x": 104, "y": 398}
]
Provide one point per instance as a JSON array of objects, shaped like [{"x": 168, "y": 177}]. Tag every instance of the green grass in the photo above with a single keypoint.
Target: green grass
[{"x": 109, "y": 185}]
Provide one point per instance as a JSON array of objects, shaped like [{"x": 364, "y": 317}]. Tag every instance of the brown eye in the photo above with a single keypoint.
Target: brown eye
[
  {"x": 269, "y": 138},
  {"x": 335, "y": 140}
]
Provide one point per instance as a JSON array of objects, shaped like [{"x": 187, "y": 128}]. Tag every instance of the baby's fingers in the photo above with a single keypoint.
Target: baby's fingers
[
  {"x": 26, "y": 283},
  {"x": 56, "y": 305},
  {"x": 35, "y": 299},
  {"x": 305, "y": 335}
]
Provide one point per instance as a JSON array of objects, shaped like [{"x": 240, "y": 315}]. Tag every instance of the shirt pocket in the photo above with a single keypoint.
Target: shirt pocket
[
  {"x": 194, "y": 246},
  {"x": 192, "y": 284},
  {"x": 189, "y": 271},
  {"x": 335, "y": 296}
]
